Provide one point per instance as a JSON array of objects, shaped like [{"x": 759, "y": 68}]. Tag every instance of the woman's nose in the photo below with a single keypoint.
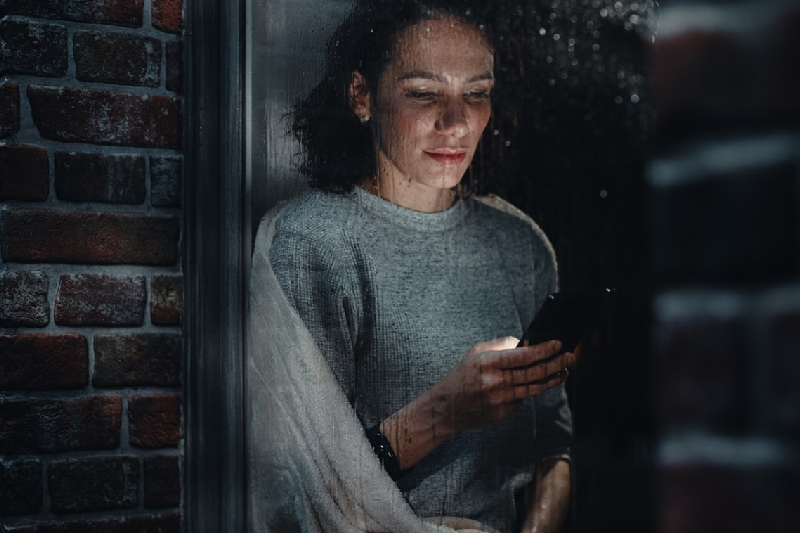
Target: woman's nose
[{"x": 453, "y": 118}]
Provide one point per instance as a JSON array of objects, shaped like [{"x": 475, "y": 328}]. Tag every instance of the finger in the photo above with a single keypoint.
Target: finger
[
  {"x": 525, "y": 355},
  {"x": 549, "y": 367},
  {"x": 495, "y": 345},
  {"x": 538, "y": 387},
  {"x": 539, "y": 371}
]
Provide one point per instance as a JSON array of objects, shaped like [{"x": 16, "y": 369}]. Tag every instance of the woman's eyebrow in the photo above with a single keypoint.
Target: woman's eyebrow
[
  {"x": 480, "y": 77},
  {"x": 421, "y": 74}
]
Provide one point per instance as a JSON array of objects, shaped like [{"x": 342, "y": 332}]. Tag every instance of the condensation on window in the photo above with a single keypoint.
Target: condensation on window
[{"x": 567, "y": 143}]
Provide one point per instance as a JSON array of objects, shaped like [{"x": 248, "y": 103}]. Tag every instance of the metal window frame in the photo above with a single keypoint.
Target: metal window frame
[{"x": 214, "y": 266}]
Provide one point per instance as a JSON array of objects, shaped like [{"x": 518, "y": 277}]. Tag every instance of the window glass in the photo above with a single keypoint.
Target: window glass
[{"x": 566, "y": 143}]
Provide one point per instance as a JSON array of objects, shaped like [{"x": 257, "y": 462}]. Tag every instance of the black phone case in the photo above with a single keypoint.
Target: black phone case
[{"x": 569, "y": 317}]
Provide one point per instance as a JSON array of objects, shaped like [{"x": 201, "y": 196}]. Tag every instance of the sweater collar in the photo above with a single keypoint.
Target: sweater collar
[{"x": 408, "y": 218}]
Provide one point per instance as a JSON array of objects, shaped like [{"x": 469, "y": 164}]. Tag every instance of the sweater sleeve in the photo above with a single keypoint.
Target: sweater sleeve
[
  {"x": 320, "y": 289},
  {"x": 553, "y": 424}
]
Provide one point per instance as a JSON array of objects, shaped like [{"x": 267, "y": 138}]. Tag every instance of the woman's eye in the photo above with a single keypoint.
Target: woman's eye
[
  {"x": 420, "y": 95},
  {"x": 477, "y": 96}
]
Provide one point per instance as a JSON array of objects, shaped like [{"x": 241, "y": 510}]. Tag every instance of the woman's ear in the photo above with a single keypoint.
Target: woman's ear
[{"x": 359, "y": 96}]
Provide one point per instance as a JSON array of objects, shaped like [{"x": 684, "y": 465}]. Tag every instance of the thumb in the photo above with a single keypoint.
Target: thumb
[{"x": 496, "y": 345}]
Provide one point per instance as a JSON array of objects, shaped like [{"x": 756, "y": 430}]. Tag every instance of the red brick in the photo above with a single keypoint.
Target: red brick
[
  {"x": 43, "y": 361},
  {"x": 702, "y": 498},
  {"x": 9, "y": 109},
  {"x": 167, "y": 15},
  {"x": 166, "y": 177},
  {"x": 35, "y": 425},
  {"x": 20, "y": 487},
  {"x": 175, "y": 66},
  {"x": 700, "y": 370},
  {"x": 116, "y": 12},
  {"x": 33, "y": 8},
  {"x": 717, "y": 79},
  {"x": 165, "y": 300},
  {"x": 162, "y": 481},
  {"x": 783, "y": 393},
  {"x": 154, "y": 421},
  {"x": 784, "y": 60},
  {"x": 25, "y": 171},
  {"x": 137, "y": 360},
  {"x": 33, "y": 48},
  {"x": 39, "y": 236},
  {"x": 117, "y": 179},
  {"x": 23, "y": 299},
  {"x": 103, "y": 117},
  {"x": 116, "y": 58},
  {"x": 93, "y": 484},
  {"x": 701, "y": 72},
  {"x": 100, "y": 300},
  {"x": 727, "y": 227}
]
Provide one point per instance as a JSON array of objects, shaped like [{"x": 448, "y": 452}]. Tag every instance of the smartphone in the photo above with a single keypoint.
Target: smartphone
[{"x": 569, "y": 317}]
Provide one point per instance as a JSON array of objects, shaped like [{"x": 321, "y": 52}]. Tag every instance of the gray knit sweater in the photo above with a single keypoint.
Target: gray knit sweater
[{"x": 395, "y": 298}]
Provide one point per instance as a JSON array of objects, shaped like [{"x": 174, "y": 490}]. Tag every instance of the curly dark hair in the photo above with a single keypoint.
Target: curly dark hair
[{"x": 339, "y": 150}]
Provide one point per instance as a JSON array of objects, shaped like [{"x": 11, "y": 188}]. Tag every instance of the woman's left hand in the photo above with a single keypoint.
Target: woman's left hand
[{"x": 486, "y": 386}]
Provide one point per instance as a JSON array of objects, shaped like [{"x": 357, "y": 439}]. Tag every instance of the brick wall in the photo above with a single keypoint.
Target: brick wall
[
  {"x": 725, "y": 251},
  {"x": 90, "y": 282}
]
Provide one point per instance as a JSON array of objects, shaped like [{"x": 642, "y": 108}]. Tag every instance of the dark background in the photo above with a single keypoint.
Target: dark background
[{"x": 659, "y": 152}]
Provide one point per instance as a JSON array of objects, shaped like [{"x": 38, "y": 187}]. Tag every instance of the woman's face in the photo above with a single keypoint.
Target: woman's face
[{"x": 432, "y": 105}]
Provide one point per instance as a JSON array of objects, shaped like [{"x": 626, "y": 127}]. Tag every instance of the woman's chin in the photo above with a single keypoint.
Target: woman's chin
[{"x": 447, "y": 179}]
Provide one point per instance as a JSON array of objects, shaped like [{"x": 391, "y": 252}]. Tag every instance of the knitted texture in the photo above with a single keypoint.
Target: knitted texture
[{"x": 395, "y": 298}]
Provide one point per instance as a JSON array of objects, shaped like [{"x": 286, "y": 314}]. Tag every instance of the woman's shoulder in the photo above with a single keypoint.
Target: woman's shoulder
[
  {"x": 508, "y": 218},
  {"x": 313, "y": 212},
  {"x": 315, "y": 218}
]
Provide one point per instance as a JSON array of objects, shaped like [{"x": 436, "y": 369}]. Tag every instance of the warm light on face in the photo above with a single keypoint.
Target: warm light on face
[{"x": 432, "y": 104}]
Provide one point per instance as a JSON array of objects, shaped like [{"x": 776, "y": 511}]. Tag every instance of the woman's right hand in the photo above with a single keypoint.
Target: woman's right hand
[
  {"x": 491, "y": 380},
  {"x": 486, "y": 386}
]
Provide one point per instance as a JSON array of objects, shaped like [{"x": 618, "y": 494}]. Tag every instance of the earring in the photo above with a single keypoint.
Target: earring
[{"x": 364, "y": 119}]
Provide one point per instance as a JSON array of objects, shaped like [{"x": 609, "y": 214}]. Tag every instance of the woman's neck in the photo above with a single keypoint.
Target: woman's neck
[{"x": 411, "y": 194}]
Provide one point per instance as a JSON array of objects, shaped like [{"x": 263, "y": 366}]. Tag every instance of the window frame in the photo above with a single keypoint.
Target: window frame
[{"x": 215, "y": 252}]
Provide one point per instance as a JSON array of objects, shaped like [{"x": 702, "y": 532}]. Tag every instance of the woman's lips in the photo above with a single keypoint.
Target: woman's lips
[{"x": 447, "y": 157}]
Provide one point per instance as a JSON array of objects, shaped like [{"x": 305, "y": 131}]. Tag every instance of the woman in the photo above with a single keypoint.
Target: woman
[{"x": 413, "y": 293}]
